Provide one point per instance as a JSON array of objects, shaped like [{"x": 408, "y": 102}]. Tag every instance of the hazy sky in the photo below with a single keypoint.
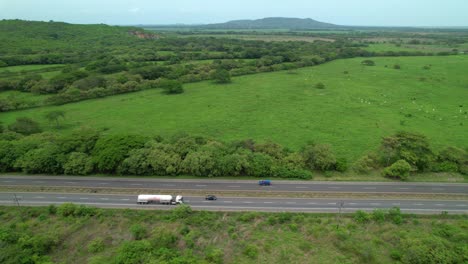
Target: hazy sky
[{"x": 345, "y": 12}]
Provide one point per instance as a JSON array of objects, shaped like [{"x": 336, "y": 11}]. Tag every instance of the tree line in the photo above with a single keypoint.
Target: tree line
[{"x": 85, "y": 151}]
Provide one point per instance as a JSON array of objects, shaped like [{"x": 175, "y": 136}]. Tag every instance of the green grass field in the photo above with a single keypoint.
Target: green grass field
[
  {"x": 129, "y": 236},
  {"x": 352, "y": 113},
  {"x": 381, "y": 47}
]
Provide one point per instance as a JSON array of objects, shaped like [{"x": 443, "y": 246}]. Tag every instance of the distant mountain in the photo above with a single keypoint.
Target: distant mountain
[{"x": 273, "y": 23}]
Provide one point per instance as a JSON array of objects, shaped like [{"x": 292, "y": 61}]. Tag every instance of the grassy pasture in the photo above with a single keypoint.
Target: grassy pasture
[
  {"x": 264, "y": 37},
  {"x": 352, "y": 113},
  {"x": 381, "y": 47}
]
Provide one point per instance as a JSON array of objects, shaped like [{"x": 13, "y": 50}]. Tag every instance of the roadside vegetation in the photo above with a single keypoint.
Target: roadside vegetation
[
  {"x": 78, "y": 234},
  {"x": 23, "y": 148}
]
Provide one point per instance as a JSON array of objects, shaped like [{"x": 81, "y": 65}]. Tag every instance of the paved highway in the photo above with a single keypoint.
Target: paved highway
[
  {"x": 232, "y": 185},
  {"x": 240, "y": 204}
]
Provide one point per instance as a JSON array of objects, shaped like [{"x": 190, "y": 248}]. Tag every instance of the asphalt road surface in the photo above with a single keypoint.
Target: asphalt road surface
[
  {"x": 232, "y": 185},
  {"x": 240, "y": 204}
]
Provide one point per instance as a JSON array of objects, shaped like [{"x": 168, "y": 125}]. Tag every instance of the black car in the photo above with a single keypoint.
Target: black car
[{"x": 211, "y": 198}]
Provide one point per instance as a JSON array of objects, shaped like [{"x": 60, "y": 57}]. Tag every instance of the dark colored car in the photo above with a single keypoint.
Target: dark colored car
[
  {"x": 211, "y": 198},
  {"x": 264, "y": 183}
]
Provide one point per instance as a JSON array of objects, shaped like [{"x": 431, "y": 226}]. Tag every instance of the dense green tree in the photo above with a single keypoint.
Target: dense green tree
[
  {"x": 25, "y": 126},
  {"x": 111, "y": 150},
  {"x": 411, "y": 147},
  {"x": 221, "y": 76},
  {"x": 319, "y": 157},
  {"x": 78, "y": 163},
  {"x": 45, "y": 159},
  {"x": 173, "y": 87},
  {"x": 54, "y": 116}
]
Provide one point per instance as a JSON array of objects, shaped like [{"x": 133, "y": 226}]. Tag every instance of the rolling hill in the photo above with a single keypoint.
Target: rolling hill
[{"x": 273, "y": 23}]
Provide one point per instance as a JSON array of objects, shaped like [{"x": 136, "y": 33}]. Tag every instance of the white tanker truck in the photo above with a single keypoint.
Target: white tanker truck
[{"x": 159, "y": 199}]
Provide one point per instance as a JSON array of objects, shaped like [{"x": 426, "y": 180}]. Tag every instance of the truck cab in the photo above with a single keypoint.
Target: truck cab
[{"x": 264, "y": 182}]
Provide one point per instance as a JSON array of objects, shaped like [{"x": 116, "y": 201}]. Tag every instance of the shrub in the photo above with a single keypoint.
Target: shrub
[
  {"x": 66, "y": 209},
  {"x": 320, "y": 85},
  {"x": 221, "y": 76},
  {"x": 399, "y": 170},
  {"x": 25, "y": 126},
  {"x": 361, "y": 217},
  {"x": 368, "y": 63},
  {"x": 396, "y": 67},
  {"x": 251, "y": 251},
  {"x": 215, "y": 255},
  {"x": 52, "y": 209},
  {"x": 364, "y": 165},
  {"x": 182, "y": 211},
  {"x": 395, "y": 215},
  {"x": 139, "y": 232},
  {"x": 172, "y": 87},
  {"x": 319, "y": 157},
  {"x": 378, "y": 215},
  {"x": 46, "y": 159},
  {"x": 95, "y": 246}
]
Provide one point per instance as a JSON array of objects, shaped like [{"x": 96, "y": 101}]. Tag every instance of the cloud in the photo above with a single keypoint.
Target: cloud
[{"x": 134, "y": 10}]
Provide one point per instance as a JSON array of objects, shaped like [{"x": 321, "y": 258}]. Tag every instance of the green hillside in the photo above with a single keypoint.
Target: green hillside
[
  {"x": 273, "y": 23},
  {"x": 353, "y": 112}
]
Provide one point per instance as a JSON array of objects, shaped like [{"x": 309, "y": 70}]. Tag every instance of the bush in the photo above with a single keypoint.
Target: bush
[
  {"x": 319, "y": 157},
  {"x": 364, "y": 165},
  {"x": 399, "y": 170},
  {"x": 215, "y": 255},
  {"x": 368, "y": 63},
  {"x": 396, "y": 67},
  {"x": 221, "y": 76},
  {"x": 378, "y": 215},
  {"x": 96, "y": 246},
  {"x": 395, "y": 215},
  {"x": 172, "y": 87},
  {"x": 182, "y": 211},
  {"x": 46, "y": 159},
  {"x": 66, "y": 209},
  {"x": 251, "y": 251},
  {"x": 139, "y": 232},
  {"x": 361, "y": 217},
  {"x": 320, "y": 85},
  {"x": 25, "y": 126}
]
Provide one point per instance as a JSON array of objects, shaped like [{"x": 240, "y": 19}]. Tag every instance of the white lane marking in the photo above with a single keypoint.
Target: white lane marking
[
  {"x": 136, "y": 184},
  {"x": 168, "y": 184},
  {"x": 38, "y": 197},
  {"x": 403, "y": 188},
  {"x": 233, "y": 186},
  {"x": 440, "y": 204},
  {"x": 311, "y": 203},
  {"x": 84, "y": 198},
  {"x": 419, "y": 204},
  {"x": 301, "y": 187},
  {"x": 352, "y": 203},
  {"x": 200, "y": 185},
  {"x": 105, "y": 199},
  {"x": 374, "y": 204},
  {"x": 333, "y": 187},
  {"x": 125, "y": 199},
  {"x": 267, "y": 202},
  {"x": 71, "y": 182},
  {"x": 461, "y": 205},
  {"x": 227, "y": 201},
  {"x": 61, "y": 197},
  {"x": 332, "y": 203},
  {"x": 290, "y": 202},
  {"x": 38, "y": 181},
  {"x": 248, "y": 202},
  {"x": 103, "y": 183},
  {"x": 7, "y": 181},
  {"x": 396, "y": 204},
  {"x": 370, "y": 188}
]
